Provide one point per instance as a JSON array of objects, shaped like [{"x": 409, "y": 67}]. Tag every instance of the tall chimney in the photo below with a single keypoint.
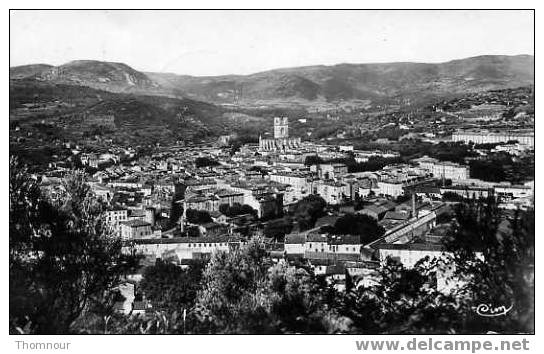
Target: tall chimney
[{"x": 414, "y": 212}]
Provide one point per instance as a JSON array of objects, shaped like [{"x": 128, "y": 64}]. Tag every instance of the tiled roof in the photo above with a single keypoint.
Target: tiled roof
[
  {"x": 135, "y": 223},
  {"x": 410, "y": 246},
  {"x": 295, "y": 239}
]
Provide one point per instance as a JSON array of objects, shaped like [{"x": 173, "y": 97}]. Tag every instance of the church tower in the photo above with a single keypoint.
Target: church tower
[{"x": 281, "y": 128}]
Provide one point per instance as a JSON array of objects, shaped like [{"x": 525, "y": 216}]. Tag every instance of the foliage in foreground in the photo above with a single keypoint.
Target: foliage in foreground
[{"x": 63, "y": 260}]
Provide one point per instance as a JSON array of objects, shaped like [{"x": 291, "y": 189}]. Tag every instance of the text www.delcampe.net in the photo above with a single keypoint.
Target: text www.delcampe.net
[{"x": 437, "y": 344}]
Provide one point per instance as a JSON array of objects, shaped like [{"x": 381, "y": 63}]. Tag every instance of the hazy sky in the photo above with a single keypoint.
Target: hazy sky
[{"x": 243, "y": 42}]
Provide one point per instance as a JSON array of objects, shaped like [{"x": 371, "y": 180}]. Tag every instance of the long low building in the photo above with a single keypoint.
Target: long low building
[
  {"x": 444, "y": 169},
  {"x": 322, "y": 247},
  {"x": 487, "y": 137},
  {"x": 185, "y": 248},
  {"x": 409, "y": 253}
]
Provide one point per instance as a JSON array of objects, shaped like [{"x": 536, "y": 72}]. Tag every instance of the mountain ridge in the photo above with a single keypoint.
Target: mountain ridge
[
  {"x": 348, "y": 81},
  {"x": 302, "y": 85}
]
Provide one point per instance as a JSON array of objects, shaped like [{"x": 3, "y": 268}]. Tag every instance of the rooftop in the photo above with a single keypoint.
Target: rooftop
[{"x": 135, "y": 223}]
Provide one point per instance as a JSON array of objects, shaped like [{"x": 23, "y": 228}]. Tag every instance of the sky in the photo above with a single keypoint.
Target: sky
[{"x": 243, "y": 42}]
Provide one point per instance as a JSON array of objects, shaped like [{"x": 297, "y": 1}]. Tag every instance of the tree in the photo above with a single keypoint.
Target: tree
[
  {"x": 63, "y": 257},
  {"x": 277, "y": 229},
  {"x": 487, "y": 170},
  {"x": 404, "y": 301},
  {"x": 313, "y": 160},
  {"x": 228, "y": 302},
  {"x": 493, "y": 257},
  {"x": 308, "y": 210},
  {"x": 295, "y": 302},
  {"x": 236, "y": 209},
  {"x": 171, "y": 288},
  {"x": 452, "y": 197},
  {"x": 402, "y": 198},
  {"x": 494, "y": 252},
  {"x": 198, "y": 216},
  {"x": 176, "y": 212},
  {"x": 358, "y": 224},
  {"x": 244, "y": 293},
  {"x": 176, "y": 209}
]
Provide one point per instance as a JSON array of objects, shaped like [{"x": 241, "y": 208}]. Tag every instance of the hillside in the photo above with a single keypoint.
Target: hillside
[
  {"x": 357, "y": 81},
  {"x": 311, "y": 85},
  {"x": 115, "y": 77},
  {"x": 23, "y": 71},
  {"x": 67, "y": 106}
]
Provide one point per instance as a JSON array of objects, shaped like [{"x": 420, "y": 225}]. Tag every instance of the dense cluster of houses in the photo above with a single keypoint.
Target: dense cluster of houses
[{"x": 152, "y": 202}]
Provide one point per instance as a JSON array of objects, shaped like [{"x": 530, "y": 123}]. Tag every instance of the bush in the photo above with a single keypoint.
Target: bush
[
  {"x": 356, "y": 224},
  {"x": 194, "y": 216}
]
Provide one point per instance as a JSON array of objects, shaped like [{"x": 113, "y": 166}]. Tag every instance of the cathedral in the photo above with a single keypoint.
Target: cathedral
[{"x": 281, "y": 141}]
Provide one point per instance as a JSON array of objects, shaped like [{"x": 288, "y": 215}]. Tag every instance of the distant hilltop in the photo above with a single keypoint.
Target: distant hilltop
[
  {"x": 303, "y": 85},
  {"x": 115, "y": 77}
]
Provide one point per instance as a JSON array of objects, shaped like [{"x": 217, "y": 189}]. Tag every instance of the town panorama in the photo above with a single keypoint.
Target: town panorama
[{"x": 352, "y": 198}]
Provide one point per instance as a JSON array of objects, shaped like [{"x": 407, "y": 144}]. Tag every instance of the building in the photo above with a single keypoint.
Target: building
[
  {"x": 332, "y": 249},
  {"x": 408, "y": 230},
  {"x": 213, "y": 229},
  {"x": 444, "y": 169},
  {"x": 294, "y": 244},
  {"x": 187, "y": 248},
  {"x": 468, "y": 192},
  {"x": 135, "y": 229},
  {"x": 300, "y": 184},
  {"x": 115, "y": 217},
  {"x": 487, "y": 137},
  {"x": 392, "y": 188},
  {"x": 210, "y": 199},
  {"x": 513, "y": 191},
  {"x": 281, "y": 141},
  {"x": 394, "y": 179},
  {"x": 330, "y": 171},
  {"x": 409, "y": 254},
  {"x": 332, "y": 192},
  {"x": 266, "y": 204}
]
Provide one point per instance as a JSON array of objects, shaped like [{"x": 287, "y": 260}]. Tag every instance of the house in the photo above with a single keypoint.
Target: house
[
  {"x": 219, "y": 217},
  {"x": 301, "y": 184},
  {"x": 102, "y": 192},
  {"x": 147, "y": 215},
  {"x": 330, "y": 171},
  {"x": 332, "y": 192},
  {"x": 467, "y": 192},
  {"x": 443, "y": 169},
  {"x": 266, "y": 204},
  {"x": 332, "y": 248},
  {"x": 294, "y": 244},
  {"x": 139, "y": 308},
  {"x": 391, "y": 187},
  {"x": 375, "y": 211},
  {"x": 186, "y": 248},
  {"x": 404, "y": 232},
  {"x": 116, "y": 216},
  {"x": 213, "y": 229},
  {"x": 135, "y": 229},
  {"x": 409, "y": 254},
  {"x": 276, "y": 250}
]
